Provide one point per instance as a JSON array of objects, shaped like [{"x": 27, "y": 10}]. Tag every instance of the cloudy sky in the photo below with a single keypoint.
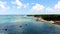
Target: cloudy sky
[{"x": 15, "y": 7}]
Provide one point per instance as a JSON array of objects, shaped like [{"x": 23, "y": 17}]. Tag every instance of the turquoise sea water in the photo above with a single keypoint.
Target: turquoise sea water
[{"x": 26, "y": 25}]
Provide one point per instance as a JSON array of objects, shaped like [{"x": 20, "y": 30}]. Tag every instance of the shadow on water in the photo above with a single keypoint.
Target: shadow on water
[{"x": 33, "y": 28}]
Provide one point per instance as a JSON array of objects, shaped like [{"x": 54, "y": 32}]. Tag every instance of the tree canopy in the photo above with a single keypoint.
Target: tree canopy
[{"x": 48, "y": 17}]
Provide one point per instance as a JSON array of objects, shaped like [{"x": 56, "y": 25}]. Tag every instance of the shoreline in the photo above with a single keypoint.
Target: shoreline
[{"x": 51, "y": 21}]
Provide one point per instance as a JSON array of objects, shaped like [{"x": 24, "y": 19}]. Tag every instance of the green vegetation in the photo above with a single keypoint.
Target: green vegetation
[{"x": 48, "y": 17}]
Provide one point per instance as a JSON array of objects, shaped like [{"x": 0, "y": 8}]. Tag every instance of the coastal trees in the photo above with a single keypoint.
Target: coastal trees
[
  {"x": 48, "y": 17},
  {"x": 51, "y": 17}
]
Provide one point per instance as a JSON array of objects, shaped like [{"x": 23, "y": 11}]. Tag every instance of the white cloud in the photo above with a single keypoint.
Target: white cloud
[
  {"x": 57, "y": 6},
  {"x": 18, "y": 3},
  {"x": 41, "y": 9},
  {"x": 38, "y": 7},
  {"x": 49, "y": 9},
  {"x": 4, "y": 11},
  {"x": 2, "y": 4},
  {"x": 3, "y": 7},
  {"x": 26, "y": 5}
]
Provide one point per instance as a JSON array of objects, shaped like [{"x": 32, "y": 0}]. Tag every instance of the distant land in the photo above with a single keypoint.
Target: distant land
[{"x": 48, "y": 17}]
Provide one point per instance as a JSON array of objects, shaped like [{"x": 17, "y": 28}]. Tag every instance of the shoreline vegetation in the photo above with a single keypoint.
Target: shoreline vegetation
[{"x": 54, "y": 19}]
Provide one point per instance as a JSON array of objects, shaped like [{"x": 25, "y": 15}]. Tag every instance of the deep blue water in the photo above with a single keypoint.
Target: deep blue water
[{"x": 26, "y": 25}]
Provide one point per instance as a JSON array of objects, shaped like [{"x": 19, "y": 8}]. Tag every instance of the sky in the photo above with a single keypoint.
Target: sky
[{"x": 18, "y": 7}]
